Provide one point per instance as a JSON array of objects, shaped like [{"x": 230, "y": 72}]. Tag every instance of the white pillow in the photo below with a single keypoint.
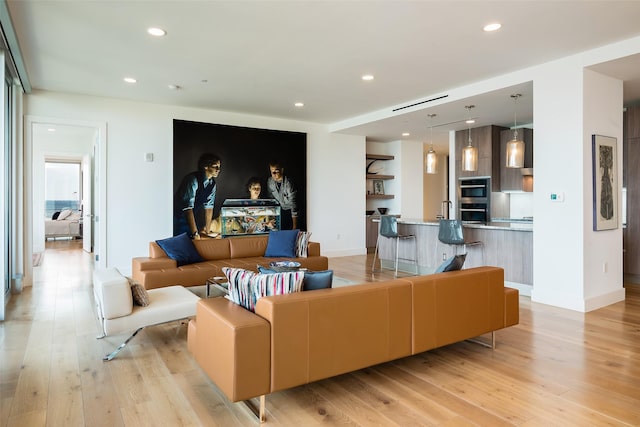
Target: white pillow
[
  {"x": 74, "y": 217},
  {"x": 302, "y": 244},
  {"x": 64, "y": 214}
]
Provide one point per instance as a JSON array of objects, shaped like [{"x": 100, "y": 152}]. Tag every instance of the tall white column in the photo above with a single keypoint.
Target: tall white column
[{"x": 569, "y": 105}]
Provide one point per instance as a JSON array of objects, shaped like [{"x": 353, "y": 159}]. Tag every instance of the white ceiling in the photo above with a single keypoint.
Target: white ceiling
[{"x": 259, "y": 57}]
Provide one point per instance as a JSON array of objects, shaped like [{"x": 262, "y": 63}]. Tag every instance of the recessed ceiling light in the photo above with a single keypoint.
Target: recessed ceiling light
[
  {"x": 299, "y": 104},
  {"x": 470, "y": 121},
  {"x": 130, "y": 80},
  {"x": 406, "y": 134},
  {"x": 51, "y": 130},
  {"x": 494, "y": 26},
  {"x": 174, "y": 87},
  {"x": 367, "y": 77},
  {"x": 158, "y": 32}
]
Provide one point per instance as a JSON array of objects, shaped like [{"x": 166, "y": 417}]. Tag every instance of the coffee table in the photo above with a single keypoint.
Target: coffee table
[{"x": 218, "y": 282}]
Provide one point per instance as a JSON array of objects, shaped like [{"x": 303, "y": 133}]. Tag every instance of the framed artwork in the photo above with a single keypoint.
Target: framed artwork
[
  {"x": 378, "y": 186},
  {"x": 242, "y": 170},
  {"x": 605, "y": 183}
]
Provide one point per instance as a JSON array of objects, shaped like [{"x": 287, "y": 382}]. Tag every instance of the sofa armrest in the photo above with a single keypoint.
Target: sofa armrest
[
  {"x": 511, "y": 306},
  {"x": 313, "y": 249},
  {"x": 233, "y": 346},
  {"x": 146, "y": 263},
  {"x": 140, "y": 264}
]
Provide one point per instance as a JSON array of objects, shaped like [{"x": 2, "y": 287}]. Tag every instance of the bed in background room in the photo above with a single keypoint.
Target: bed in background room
[{"x": 65, "y": 224}]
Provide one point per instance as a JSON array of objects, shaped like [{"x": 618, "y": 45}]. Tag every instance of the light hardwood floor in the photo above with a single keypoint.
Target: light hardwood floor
[{"x": 556, "y": 368}]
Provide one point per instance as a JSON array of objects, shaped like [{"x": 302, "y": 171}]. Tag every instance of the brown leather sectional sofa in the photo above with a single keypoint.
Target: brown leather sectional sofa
[
  {"x": 158, "y": 270},
  {"x": 298, "y": 338}
]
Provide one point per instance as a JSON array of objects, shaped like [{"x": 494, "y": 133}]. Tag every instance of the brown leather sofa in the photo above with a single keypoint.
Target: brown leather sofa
[
  {"x": 298, "y": 338},
  {"x": 158, "y": 270}
]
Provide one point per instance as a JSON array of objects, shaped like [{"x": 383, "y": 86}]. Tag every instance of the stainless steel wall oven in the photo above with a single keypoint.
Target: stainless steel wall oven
[{"x": 474, "y": 199}]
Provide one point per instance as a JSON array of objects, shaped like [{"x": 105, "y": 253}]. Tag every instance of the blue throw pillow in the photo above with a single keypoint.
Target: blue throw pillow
[
  {"x": 317, "y": 280},
  {"x": 181, "y": 249},
  {"x": 452, "y": 264},
  {"x": 265, "y": 270},
  {"x": 282, "y": 244}
]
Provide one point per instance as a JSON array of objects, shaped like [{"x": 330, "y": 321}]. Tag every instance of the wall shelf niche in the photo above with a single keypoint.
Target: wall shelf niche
[
  {"x": 371, "y": 158},
  {"x": 372, "y": 227},
  {"x": 380, "y": 157}
]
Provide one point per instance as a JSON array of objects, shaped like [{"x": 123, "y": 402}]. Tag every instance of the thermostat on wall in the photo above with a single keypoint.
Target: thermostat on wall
[{"x": 556, "y": 197}]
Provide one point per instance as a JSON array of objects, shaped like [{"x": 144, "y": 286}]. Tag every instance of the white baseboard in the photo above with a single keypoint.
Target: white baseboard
[{"x": 345, "y": 252}]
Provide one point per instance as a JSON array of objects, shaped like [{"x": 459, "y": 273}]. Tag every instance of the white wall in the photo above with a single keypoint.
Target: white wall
[
  {"x": 569, "y": 105},
  {"x": 521, "y": 204},
  {"x": 140, "y": 194},
  {"x": 559, "y": 168},
  {"x": 603, "y": 115},
  {"x": 410, "y": 180},
  {"x": 336, "y": 192}
]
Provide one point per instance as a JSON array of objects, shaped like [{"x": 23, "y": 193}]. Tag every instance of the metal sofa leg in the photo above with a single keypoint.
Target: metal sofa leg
[
  {"x": 260, "y": 412},
  {"x": 115, "y": 352},
  {"x": 491, "y": 345}
]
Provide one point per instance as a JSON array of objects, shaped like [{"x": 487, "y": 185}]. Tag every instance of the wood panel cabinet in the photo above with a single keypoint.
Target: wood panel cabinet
[
  {"x": 511, "y": 179},
  {"x": 487, "y": 140},
  {"x": 631, "y": 234},
  {"x": 632, "y": 122},
  {"x": 372, "y": 232}
]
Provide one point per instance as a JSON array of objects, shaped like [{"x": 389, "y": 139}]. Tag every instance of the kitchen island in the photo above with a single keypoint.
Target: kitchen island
[{"x": 505, "y": 244}]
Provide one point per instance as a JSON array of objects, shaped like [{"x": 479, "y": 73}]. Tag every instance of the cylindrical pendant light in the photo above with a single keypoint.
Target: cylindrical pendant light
[
  {"x": 515, "y": 147},
  {"x": 431, "y": 159},
  {"x": 469, "y": 153}
]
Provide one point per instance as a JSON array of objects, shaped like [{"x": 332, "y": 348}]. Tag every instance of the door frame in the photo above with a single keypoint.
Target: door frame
[{"x": 99, "y": 189}]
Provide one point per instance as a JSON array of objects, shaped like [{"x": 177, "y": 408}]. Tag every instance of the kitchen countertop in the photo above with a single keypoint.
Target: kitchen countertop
[{"x": 506, "y": 225}]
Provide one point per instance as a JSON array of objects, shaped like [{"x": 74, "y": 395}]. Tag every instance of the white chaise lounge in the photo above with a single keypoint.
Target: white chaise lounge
[{"x": 117, "y": 314}]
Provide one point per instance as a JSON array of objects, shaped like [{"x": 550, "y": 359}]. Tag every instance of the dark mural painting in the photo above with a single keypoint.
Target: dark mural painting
[{"x": 244, "y": 155}]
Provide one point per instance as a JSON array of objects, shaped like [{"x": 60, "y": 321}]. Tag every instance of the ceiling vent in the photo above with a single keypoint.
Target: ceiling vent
[{"x": 419, "y": 103}]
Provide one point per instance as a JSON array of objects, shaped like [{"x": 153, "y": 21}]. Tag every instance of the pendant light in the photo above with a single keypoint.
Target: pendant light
[
  {"x": 469, "y": 153},
  {"x": 515, "y": 147},
  {"x": 431, "y": 158}
]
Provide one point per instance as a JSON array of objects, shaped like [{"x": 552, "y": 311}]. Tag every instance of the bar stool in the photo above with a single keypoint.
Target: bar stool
[
  {"x": 450, "y": 232},
  {"x": 389, "y": 230}
]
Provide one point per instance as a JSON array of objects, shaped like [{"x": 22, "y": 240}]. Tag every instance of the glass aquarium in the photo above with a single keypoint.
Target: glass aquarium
[{"x": 240, "y": 217}]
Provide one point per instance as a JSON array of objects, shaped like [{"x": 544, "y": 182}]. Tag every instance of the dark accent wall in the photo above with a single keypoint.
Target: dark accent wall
[{"x": 244, "y": 152}]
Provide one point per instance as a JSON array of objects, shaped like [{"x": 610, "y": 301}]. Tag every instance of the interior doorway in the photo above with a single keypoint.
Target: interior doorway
[
  {"x": 66, "y": 141},
  {"x": 64, "y": 201}
]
